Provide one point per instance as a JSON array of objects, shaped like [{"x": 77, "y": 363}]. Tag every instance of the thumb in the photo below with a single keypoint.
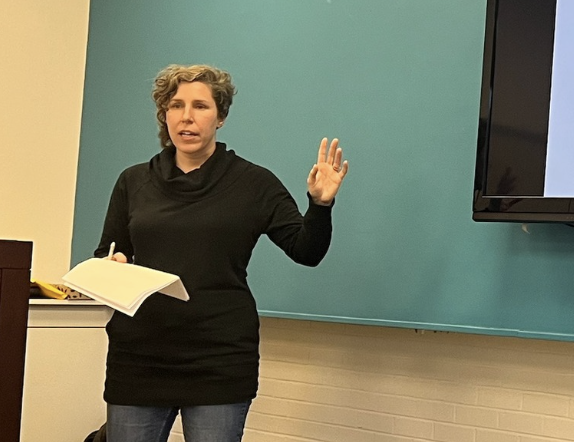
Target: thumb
[{"x": 313, "y": 174}]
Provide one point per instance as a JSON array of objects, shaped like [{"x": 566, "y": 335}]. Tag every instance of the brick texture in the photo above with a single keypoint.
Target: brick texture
[{"x": 325, "y": 382}]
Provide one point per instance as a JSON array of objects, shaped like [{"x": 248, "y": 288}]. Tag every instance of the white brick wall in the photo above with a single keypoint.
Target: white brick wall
[
  {"x": 337, "y": 382},
  {"x": 325, "y": 382}
]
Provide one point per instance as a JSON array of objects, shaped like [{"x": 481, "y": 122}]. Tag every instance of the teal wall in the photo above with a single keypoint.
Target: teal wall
[{"x": 398, "y": 81}]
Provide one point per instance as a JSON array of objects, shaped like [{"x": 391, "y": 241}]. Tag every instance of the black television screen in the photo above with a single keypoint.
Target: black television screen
[{"x": 525, "y": 154}]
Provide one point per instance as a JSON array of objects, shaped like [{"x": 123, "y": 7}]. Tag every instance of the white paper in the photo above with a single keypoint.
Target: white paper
[{"x": 123, "y": 287}]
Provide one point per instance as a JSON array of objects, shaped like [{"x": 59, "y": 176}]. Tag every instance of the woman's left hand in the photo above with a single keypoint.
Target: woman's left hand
[{"x": 327, "y": 175}]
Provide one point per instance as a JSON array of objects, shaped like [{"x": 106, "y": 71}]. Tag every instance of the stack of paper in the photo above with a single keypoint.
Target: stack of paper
[{"x": 123, "y": 287}]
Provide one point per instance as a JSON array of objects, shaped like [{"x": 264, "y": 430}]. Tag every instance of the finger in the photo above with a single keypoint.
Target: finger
[
  {"x": 119, "y": 257},
  {"x": 322, "y": 150},
  {"x": 332, "y": 151},
  {"x": 344, "y": 169},
  {"x": 313, "y": 174},
  {"x": 338, "y": 159}
]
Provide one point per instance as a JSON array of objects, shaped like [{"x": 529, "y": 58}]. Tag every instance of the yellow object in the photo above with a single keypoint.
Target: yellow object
[{"x": 52, "y": 291}]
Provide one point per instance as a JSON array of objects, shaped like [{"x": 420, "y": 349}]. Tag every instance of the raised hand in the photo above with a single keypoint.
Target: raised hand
[{"x": 327, "y": 175}]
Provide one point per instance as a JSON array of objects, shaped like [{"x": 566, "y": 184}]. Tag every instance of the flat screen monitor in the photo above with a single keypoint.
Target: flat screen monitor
[{"x": 525, "y": 154}]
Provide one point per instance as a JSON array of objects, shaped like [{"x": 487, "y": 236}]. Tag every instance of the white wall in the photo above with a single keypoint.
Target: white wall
[
  {"x": 43, "y": 55},
  {"x": 344, "y": 383}
]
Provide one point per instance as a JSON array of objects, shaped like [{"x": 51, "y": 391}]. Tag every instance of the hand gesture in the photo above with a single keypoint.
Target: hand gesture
[{"x": 327, "y": 175}]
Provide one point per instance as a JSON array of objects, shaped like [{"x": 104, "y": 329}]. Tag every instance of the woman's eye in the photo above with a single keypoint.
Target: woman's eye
[{"x": 174, "y": 106}]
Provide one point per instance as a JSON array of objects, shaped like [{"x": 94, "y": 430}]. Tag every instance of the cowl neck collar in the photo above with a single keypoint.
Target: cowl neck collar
[{"x": 220, "y": 170}]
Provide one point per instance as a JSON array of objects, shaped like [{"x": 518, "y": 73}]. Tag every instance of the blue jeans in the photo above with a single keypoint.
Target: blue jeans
[{"x": 205, "y": 423}]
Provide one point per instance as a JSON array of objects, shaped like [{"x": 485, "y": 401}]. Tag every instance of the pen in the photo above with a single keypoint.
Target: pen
[{"x": 111, "y": 252}]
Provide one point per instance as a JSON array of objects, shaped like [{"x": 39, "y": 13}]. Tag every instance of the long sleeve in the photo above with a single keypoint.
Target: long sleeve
[
  {"x": 305, "y": 239},
  {"x": 116, "y": 223}
]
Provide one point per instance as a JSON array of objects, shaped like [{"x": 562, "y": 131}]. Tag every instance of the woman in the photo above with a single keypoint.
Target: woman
[{"x": 197, "y": 210}]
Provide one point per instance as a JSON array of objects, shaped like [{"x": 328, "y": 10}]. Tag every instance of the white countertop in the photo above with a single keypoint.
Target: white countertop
[
  {"x": 63, "y": 302},
  {"x": 62, "y": 313}
]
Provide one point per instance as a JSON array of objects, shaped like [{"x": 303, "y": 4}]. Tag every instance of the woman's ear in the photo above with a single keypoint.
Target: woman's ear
[{"x": 220, "y": 124}]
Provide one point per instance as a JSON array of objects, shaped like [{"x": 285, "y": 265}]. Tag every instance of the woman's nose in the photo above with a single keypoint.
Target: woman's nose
[{"x": 187, "y": 114}]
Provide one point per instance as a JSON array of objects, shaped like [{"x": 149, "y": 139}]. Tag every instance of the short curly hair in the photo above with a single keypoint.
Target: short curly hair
[{"x": 168, "y": 80}]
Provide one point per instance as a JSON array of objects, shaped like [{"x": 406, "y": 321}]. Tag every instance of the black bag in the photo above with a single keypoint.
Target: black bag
[{"x": 98, "y": 435}]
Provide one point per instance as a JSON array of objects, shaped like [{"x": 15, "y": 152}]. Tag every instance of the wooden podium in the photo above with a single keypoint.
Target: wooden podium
[{"x": 15, "y": 263}]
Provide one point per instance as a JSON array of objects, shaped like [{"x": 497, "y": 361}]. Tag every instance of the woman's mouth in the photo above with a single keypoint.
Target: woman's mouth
[{"x": 188, "y": 134}]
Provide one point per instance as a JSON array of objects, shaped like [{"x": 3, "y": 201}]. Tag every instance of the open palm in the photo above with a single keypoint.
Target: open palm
[{"x": 327, "y": 174}]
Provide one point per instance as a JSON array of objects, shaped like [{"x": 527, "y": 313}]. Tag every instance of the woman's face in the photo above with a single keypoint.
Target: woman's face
[{"x": 192, "y": 122}]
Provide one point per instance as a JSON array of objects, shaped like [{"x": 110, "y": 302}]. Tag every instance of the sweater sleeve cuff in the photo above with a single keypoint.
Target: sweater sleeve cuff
[{"x": 313, "y": 206}]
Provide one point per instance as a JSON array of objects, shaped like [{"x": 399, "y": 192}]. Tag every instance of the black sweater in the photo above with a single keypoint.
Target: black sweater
[{"x": 202, "y": 226}]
